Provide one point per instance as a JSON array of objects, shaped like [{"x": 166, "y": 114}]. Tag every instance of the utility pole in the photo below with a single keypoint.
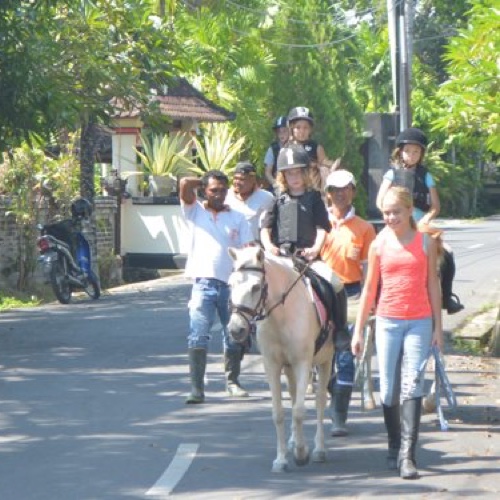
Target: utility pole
[{"x": 398, "y": 20}]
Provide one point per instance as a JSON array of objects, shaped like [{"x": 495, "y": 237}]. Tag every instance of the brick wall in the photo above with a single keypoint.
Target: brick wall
[{"x": 101, "y": 235}]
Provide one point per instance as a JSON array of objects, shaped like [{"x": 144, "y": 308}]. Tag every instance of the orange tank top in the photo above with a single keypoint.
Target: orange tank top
[{"x": 403, "y": 274}]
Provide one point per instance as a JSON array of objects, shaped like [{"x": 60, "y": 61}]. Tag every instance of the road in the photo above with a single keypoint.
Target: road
[{"x": 92, "y": 407}]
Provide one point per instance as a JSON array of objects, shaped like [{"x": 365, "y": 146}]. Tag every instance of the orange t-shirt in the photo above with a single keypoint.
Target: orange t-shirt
[
  {"x": 403, "y": 274},
  {"x": 346, "y": 247}
]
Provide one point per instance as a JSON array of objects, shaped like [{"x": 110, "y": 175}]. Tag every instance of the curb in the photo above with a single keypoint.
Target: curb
[{"x": 481, "y": 330}]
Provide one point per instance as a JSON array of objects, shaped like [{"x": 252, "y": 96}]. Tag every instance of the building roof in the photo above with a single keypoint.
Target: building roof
[{"x": 181, "y": 101}]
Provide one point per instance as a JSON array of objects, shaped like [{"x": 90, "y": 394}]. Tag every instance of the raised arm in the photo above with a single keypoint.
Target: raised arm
[{"x": 188, "y": 187}]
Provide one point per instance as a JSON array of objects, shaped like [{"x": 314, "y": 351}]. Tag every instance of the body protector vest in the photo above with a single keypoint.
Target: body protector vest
[
  {"x": 414, "y": 180},
  {"x": 311, "y": 148},
  {"x": 294, "y": 225},
  {"x": 275, "y": 147}
]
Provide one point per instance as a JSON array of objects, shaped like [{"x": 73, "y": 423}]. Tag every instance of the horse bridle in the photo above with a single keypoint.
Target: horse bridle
[{"x": 258, "y": 313}]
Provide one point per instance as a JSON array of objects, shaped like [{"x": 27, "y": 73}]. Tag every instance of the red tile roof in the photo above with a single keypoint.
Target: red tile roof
[{"x": 181, "y": 101}]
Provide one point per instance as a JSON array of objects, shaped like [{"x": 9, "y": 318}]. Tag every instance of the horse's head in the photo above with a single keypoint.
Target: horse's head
[{"x": 248, "y": 291}]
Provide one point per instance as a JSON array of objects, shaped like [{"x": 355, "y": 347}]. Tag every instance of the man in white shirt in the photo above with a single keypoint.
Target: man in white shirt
[
  {"x": 214, "y": 228},
  {"x": 246, "y": 197}
]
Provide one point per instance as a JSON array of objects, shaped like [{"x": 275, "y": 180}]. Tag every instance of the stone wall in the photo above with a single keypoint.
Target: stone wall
[{"x": 101, "y": 235}]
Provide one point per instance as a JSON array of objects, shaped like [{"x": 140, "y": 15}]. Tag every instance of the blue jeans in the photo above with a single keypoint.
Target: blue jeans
[
  {"x": 402, "y": 348},
  {"x": 343, "y": 362},
  {"x": 208, "y": 298}
]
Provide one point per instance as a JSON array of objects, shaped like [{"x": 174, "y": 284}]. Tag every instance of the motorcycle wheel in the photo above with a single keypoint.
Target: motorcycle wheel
[
  {"x": 60, "y": 283},
  {"x": 93, "y": 290}
]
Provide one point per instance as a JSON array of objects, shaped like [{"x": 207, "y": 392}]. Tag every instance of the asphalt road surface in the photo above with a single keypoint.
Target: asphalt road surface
[{"x": 92, "y": 407}]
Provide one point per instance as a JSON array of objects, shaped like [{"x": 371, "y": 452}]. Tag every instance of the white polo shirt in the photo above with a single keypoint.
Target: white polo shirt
[
  {"x": 211, "y": 236},
  {"x": 258, "y": 203}
]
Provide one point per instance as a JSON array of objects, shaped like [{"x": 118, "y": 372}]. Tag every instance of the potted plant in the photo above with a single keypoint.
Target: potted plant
[
  {"x": 218, "y": 151},
  {"x": 163, "y": 158}
]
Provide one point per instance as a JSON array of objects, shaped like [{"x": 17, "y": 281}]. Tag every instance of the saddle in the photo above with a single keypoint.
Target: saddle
[{"x": 323, "y": 298}]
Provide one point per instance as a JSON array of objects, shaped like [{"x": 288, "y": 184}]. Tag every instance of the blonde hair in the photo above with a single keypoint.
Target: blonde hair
[
  {"x": 405, "y": 198},
  {"x": 283, "y": 185}
]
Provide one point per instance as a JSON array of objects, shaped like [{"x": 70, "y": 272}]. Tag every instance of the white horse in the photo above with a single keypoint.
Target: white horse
[{"x": 267, "y": 292}]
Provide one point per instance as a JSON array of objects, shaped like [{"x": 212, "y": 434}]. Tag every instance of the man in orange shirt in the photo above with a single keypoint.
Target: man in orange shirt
[{"x": 346, "y": 251}]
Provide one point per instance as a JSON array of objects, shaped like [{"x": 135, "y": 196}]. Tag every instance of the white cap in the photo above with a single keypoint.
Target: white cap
[{"x": 340, "y": 179}]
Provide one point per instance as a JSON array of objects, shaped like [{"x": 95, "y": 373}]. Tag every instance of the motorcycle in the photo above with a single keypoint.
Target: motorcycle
[{"x": 65, "y": 255}]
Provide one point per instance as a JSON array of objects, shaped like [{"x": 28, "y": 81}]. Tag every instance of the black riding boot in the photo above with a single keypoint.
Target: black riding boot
[
  {"x": 447, "y": 272},
  {"x": 392, "y": 420},
  {"x": 410, "y": 421},
  {"x": 340, "y": 311}
]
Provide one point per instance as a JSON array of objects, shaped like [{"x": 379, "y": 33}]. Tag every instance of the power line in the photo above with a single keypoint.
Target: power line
[
  {"x": 331, "y": 16},
  {"x": 298, "y": 45}
]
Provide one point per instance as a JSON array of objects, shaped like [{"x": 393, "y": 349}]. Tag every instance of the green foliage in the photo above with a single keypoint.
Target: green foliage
[
  {"x": 471, "y": 97},
  {"x": 219, "y": 150},
  {"x": 163, "y": 156},
  {"x": 33, "y": 182},
  {"x": 12, "y": 302}
]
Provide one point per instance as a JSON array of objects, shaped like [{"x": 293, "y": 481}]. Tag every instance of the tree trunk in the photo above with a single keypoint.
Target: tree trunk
[{"x": 88, "y": 148}]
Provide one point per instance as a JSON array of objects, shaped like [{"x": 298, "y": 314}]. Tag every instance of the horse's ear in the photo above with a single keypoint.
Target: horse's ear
[{"x": 232, "y": 252}]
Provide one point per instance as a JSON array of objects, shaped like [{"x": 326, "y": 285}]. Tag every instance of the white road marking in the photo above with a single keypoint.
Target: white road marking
[
  {"x": 174, "y": 472},
  {"x": 477, "y": 245}
]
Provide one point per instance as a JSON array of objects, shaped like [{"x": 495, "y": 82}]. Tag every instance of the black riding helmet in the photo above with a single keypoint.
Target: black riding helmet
[
  {"x": 412, "y": 136},
  {"x": 292, "y": 156},
  {"x": 281, "y": 122},
  {"x": 81, "y": 208},
  {"x": 300, "y": 113}
]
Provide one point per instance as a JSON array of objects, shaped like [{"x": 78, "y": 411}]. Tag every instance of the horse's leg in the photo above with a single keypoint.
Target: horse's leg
[
  {"x": 367, "y": 389},
  {"x": 325, "y": 370},
  {"x": 301, "y": 450},
  {"x": 310, "y": 383},
  {"x": 292, "y": 390},
  {"x": 273, "y": 372}
]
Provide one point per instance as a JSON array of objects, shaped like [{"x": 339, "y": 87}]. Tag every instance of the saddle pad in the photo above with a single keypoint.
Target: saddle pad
[{"x": 320, "y": 307}]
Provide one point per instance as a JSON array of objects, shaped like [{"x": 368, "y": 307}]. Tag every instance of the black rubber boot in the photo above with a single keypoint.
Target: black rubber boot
[
  {"x": 232, "y": 367},
  {"x": 447, "y": 272},
  {"x": 392, "y": 420},
  {"x": 410, "y": 423},
  {"x": 197, "y": 366},
  {"x": 339, "y": 405}
]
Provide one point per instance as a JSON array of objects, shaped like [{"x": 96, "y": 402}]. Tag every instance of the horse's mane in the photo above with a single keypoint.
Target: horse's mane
[{"x": 281, "y": 262}]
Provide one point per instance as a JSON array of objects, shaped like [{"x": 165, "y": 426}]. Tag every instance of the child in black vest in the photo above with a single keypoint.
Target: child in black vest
[{"x": 282, "y": 132}]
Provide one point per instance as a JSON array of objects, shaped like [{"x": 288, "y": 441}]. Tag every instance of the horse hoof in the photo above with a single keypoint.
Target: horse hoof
[
  {"x": 279, "y": 467},
  {"x": 319, "y": 457},
  {"x": 369, "y": 404},
  {"x": 301, "y": 461}
]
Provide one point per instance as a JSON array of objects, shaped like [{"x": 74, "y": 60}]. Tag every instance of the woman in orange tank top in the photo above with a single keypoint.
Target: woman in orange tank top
[{"x": 408, "y": 322}]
